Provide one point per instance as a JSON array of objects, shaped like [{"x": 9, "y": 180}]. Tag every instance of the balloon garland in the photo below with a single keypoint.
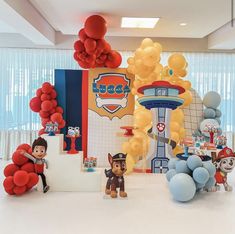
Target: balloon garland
[
  {"x": 146, "y": 66},
  {"x": 46, "y": 105},
  {"x": 92, "y": 50}
]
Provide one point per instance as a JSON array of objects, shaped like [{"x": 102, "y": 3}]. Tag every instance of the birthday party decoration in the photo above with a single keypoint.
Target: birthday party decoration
[
  {"x": 145, "y": 65},
  {"x": 45, "y": 104},
  {"x": 186, "y": 178},
  {"x": 92, "y": 50},
  {"x": 209, "y": 128},
  {"x": 20, "y": 174}
]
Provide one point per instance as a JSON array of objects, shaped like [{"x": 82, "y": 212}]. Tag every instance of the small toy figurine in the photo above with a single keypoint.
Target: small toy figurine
[
  {"x": 115, "y": 175},
  {"x": 71, "y": 131},
  {"x": 224, "y": 163},
  {"x": 77, "y": 131},
  {"x": 90, "y": 164},
  {"x": 221, "y": 141},
  {"x": 39, "y": 149},
  {"x": 51, "y": 128}
]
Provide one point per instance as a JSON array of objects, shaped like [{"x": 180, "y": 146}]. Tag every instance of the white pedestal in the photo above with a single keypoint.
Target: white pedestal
[{"x": 64, "y": 173}]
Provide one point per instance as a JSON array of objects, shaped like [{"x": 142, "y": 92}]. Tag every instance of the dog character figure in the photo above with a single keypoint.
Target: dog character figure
[
  {"x": 224, "y": 163},
  {"x": 115, "y": 175}
]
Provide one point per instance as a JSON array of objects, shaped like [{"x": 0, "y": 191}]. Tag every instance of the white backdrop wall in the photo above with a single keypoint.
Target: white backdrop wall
[{"x": 22, "y": 71}]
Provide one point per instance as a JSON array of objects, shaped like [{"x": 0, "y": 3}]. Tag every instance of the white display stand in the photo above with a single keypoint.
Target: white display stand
[{"x": 64, "y": 173}]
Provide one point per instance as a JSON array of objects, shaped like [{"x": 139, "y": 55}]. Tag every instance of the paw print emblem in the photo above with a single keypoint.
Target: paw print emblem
[{"x": 160, "y": 127}]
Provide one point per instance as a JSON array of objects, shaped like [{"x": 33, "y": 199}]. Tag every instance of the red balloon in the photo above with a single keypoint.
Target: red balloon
[
  {"x": 47, "y": 105},
  {"x": 78, "y": 46},
  {"x": 90, "y": 44},
  {"x": 25, "y": 147},
  {"x": 35, "y": 104},
  {"x": 103, "y": 57},
  {"x": 54, "y": 103},
  {"x": 53, "y": 94},
  {"x": 41, "y": 131},
  {"x": 18, "y": 158},
  {"x": 10, "y": 169},
  {"x": 95, "y": 27},
  {"x": 19, "y": 190},
  {"x": 44, "y": 121},
  {"x": 82, "y": 35},
  {"x": 62, "y": 124},
  {"x": 39, "y": 92},
  {"x": 46, "y": 87},
  {"x": 83, "y": 64},
  {"x": 21, "y": 178},
  {"x": 114, "y": 60},
  {"x": 107, "y": 48},
  {"x": 44, "y": 114},
  {"x": 45, "y": 97},
  {"x": 76, "y": 55},
  {"x": 52, "y": 111},
  {"x": 10, "y": 191},
  {"x": 101, "y": 44},
  {"x": 8, "y": 183},
  {"x": 28, "y": 167},
  {"x": 56, "y": 117},
  {"x": 33, "y": 180},
  {"x": 98, "y": 52},
  {"x": 59, "y": 109}
]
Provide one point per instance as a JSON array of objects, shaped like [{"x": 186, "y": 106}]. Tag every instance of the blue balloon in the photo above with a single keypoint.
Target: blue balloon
[
  {"x": 182, "y": 187},
  {"x": 193, "y": 162},
  {"x": 201, "y": 175},
  {"x": 172, "y": 162},
  {"x": 181, "y": 167},
  {"x": 170, "y": 174},
  {"x": 218, "y": 120},
  {"x": 210, "y": 183},
  {"x": 210, "y": 167},
  {"x": 199, "y": 186},
  {"x": 212, "y": 99},
  {"x": 218, "y": 113},
  {"x": 209, "y": 113}
]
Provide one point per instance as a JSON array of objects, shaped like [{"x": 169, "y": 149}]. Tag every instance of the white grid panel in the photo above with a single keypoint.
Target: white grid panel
[
  {"x": 102, "y": 136},
  {"x": 193, "y": 114}
]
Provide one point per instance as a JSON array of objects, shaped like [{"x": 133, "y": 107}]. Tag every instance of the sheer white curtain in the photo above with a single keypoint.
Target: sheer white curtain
[{"x": 22, "y": 71}]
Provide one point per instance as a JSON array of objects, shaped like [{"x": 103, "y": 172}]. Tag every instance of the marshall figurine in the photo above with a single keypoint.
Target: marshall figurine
[
  {"x": 224, "y": 163},
  {"x": 115, "y": 175}
]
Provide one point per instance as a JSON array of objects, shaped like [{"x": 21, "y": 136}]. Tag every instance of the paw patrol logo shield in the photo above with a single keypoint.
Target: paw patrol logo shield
[
  {"x": 160, "y": 127},
  {"x": 111, "y": 90}
]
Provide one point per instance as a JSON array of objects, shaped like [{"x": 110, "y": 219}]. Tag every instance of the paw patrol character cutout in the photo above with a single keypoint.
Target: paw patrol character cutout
[
  {"x": 115, "y": 175},
  {"x": 224, "y": 162}
]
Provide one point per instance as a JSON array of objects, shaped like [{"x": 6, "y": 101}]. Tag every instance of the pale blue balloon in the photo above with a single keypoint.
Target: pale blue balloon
[
  {"x": 199, "y": 186},
  {"x": 172, "y": 162},
  {"x": 201, "y": 175},
  {"x": 170, "y": 174},
  {"x": 209, "y": 113},
  {"x": 182, "y": 187},
  {"x": 212, "y": 100},
  {"x": 193, "y": 162},
  {"x": 210, "y": 167},
  {"x": 218, "y": 113},
  {"x": 218, "y": 120},
  {"x": 181, "y": 167},
  {"x": 210, "y": 183}
]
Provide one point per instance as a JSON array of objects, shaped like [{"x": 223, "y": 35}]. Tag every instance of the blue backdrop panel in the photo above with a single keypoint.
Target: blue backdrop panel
[{"x": 68, "y": 84}]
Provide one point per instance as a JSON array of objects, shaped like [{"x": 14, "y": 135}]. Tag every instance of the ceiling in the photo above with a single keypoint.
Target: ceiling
[
  {"x": 56, "y": 22},
  {"x": 202, "y": 16}
]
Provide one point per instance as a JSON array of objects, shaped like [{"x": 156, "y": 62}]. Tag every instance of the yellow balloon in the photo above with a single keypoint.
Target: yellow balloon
[
  {"x": 125, "y": 147},
  {"x": 151, "y": 56},
  {"x": 187, "y": 96},
  {"x": 176, "y": 61},
  {"x": 130, "y": 163},
  {"x": 138, "y": 53},
  {"x": 187, "y": 84},
  {"x": 182, "y": 133},
  {"x": 158, "y": 68},
  {"x": 131, "y": 69},
  {"x": 142, "y": 118},
  {"x": 174, "y": 126},
  {"x": 175, "y": 136},
  {"x": 177, "y": 115},
  {"x": 181, "y": 72},
  {"x": 158, "y": 46},
  {"x": 134, "y": 91},
  {"x": 146, "y": 43},
  {"x": 130, "y": 61}
]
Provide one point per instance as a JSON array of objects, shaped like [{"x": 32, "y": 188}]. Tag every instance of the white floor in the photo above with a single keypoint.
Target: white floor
[{"x": 148, "y": 209}]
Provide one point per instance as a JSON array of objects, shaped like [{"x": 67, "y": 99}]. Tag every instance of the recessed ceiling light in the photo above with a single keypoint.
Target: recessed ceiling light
[
  {"x": 134, "y": 22},
  {"x": 183, "y": 24}
]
